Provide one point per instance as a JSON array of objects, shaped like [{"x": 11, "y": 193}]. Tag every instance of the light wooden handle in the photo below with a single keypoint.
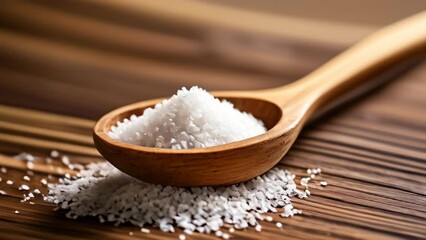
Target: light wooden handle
[{"x": 362, "y": 61}]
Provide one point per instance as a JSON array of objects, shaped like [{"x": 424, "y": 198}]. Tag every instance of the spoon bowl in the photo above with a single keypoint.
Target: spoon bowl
[{"x": 284, "y": 110}]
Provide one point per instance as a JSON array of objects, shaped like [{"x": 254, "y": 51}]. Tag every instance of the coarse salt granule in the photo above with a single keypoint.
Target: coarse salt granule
[
  {"x": 323, "y": 183},
  {"x": 24, "y": 187},
  {"x": 2, "y": 192},
  {"x": 16, "y": 212},
  {"x": 54, "y": 154},
  {"x": 3, "y": 170},
  {"x": 43, "y": 181},
  {"x": 190, "y": 119},
  {"x": 9, "y": 182}
]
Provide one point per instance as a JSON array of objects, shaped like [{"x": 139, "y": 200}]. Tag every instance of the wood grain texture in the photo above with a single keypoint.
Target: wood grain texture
[
  {"x": 373, "y": 160},
  {"x": 372, "y": 152}
]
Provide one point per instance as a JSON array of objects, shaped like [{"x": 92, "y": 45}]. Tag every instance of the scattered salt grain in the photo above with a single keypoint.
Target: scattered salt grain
[
  {"x": 145, "y": 230},
  {"x": 2, "y": 192},
  {"x": 54, "y": 154},
  {"x": 30, "y": 165},
  {"x": 323, "y": 183},
  {"x": 25, "y": 156},
  {"x": 32, "y": 203},
  {"x": 308, "y": 192},
  {"x": 16, "y": 212},
  {"x": 36, "y": 191},
  {"x": 279, "y": 225},
  {"x": 312, "y": 176},
  {"x": 65, "y": 160},
  {"x": 182, "y": 237},
  {"x": 304, "y": 181},
  {"x": 258, "y": 228},
  {"x": 3, "y": 170},
  {"x": 9, "y": 182},
  {"x": 190, "y": 119},
  {"x": 43, "y": 181},
  {"x": 26, "y": 178},
  {"x": 225, "y": 236},
  {"x": 231, "y": 230},
  {"x": 269, "y": 218},
  {"x": 218, "y": 233},
  {"x": 130, "y": 233},
  {"x": 24, "y": 187},
  {"x": 49, "y": 160}
]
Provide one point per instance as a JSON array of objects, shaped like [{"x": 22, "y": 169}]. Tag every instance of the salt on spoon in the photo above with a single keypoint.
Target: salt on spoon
[{"x": 284, "y": 111}]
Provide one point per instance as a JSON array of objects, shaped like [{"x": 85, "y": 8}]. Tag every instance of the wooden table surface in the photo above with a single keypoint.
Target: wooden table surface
[{"x": 62, "y": 66}]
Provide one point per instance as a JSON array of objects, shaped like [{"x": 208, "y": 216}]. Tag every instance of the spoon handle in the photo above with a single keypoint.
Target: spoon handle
[{"x": 362, "y": 61}]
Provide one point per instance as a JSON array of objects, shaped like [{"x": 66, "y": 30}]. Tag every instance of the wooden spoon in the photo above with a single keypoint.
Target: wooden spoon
[{"x": 284, "y": 110}]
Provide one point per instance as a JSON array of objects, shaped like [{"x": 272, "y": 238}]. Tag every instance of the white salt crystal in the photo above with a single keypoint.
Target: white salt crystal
[
  {"x": 43, "y": 181},
  {"x": 258, "y": 228},
  {"x": 25, "y": 156},
  {"x": 279, "y": 225},
  {"x": 26, "y": 178},
  {"x": 231, "y": 230},
  {"x": 54, "y": 154},
  {"x": 36, "y": 191},
  {"x": 9, "y": 182},
  {"x": 30, "y": 165},
  {"x": 49, "y": 160},
  {"x": 16, "y": 212},
  {"x": 218, "y": 233},
  {"x": 65, "y": 160},
  {"x": 24, "y": 187},
  {"x": 2, "y": 192},
  {"x": 304, "y": 181},
  {"x": 3, "y": 170},
  {"x": 145, "y": 230},
  {"x": 323, "y": 183},
  {"x": 191, "y": 118},
  {"x": 182, "y": 237}
]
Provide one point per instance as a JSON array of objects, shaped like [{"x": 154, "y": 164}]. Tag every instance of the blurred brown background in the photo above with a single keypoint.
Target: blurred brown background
[{"x": 85, "y": 58}]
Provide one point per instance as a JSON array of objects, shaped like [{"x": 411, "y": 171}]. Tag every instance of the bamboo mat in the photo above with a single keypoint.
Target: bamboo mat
[{"x": 63, "y": 65}]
